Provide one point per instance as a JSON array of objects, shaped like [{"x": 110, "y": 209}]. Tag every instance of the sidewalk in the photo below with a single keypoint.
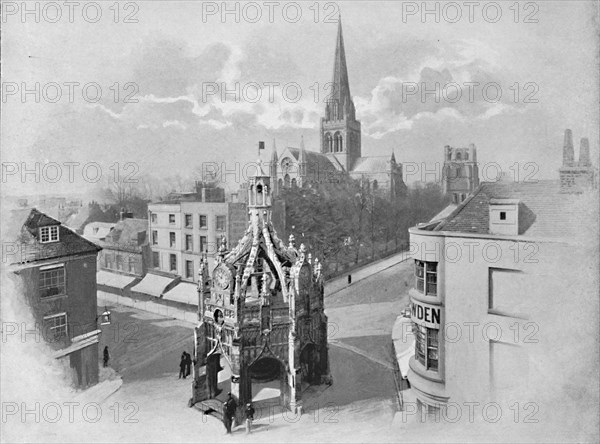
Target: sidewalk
[
  {"x": 358, "y": 274},
  {"x": 149, "y": 306}
]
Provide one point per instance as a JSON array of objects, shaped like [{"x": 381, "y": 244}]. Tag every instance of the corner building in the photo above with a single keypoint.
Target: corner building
[{"x": 503, "y": 288}]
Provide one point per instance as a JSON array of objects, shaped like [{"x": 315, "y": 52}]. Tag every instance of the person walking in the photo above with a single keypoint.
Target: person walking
[
  {"x": 249, "y": 417},
  {"x": 182, "y": 365},
  {"x": 188, "y": 364},
  {"x": 106, "y": 357},
  {"x": 226, "y": 418}
]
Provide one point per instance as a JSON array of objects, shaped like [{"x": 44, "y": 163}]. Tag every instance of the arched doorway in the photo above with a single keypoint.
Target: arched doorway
[
  {"x": 268, "y": 382},
  {"x": 310, "y": 364}
]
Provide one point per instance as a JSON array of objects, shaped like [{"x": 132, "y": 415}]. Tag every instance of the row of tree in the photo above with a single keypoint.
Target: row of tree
[{"x": 345, "y": 223}]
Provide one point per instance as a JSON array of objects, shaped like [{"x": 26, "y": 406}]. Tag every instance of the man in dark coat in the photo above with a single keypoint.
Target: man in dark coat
[
  {"x": 182, "y": 365},
  {"x": 229, "y": 409},
  {"x": 188, "y": 364},
  {"x": 106, "y": 356}
]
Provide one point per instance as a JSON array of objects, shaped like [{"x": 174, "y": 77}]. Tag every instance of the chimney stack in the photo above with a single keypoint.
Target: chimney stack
[
  {"x": 584, "y": 152},
  {"x": 568, "y": 152}
]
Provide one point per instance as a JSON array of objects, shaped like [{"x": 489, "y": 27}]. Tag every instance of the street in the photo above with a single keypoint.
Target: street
[{"x": 145, "y": 349}]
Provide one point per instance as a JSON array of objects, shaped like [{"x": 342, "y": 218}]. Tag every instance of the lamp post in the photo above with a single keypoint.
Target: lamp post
[{"x": 104, "y": 317}]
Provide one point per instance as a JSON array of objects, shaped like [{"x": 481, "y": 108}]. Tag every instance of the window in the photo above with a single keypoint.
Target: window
[
  {"x": 153, "y": 217},
  {"x": 155, "y": 259},
  {"x": 188, "y": 221},
  {"x": 221, "y": 220},
  {"x": 426, "y": 276},
  {"x": 52, "y": 282},
  {"x": 131, "y": 265},
  {"x": 172, "y": 239},
  {"x": 502, "y": 215},
  {"x": 171, "y": 218},
  {"x": 202, "y": 243},
  {"x": 426, "y": 346},
  {"x": 189, "y": 244},
  {"x": 507, "y": 292},
  {"x": 173, "y": 262},
  {"x": 154, "y": 237},
  {"x": 49, "y": 234},
  {"x": 203, "y": 221},
  {"x": 119, "y": 262},
  {"x": 55, "y": 326},
  {"x": 189, "y": 269}
]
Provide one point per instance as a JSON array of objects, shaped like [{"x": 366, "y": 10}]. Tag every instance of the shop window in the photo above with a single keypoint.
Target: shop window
[
  {"x": 426, "y": 277},
  {"x": 426, "y": 346}
]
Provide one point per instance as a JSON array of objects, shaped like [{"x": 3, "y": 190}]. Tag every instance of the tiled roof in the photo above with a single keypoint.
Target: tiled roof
[
  {"x": 126, "y": 232},
  {"x": 553, "y": 215},
  {"x": 31, "y": 250},
  {"x": 313, "y": 159}
]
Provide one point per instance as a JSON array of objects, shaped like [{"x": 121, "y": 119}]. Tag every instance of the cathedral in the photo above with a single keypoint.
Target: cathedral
[{"x": 340, "y": 151}]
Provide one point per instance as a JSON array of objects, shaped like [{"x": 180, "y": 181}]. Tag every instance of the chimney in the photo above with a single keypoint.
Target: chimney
[
  {"x": 473, "y": 150},
  {"x": 584, "y": 152},
  {"x": 568, "y": 152}
]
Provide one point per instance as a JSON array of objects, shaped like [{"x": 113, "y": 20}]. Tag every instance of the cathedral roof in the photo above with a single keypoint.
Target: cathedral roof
[
  {"x": 313, "y": 159},
  {"x": 372, "y": 164}
]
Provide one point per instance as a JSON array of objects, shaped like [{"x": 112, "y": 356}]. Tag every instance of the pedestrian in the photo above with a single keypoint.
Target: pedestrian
[
  {"x": 249, "y": 417},
  {"x": 226, "y": 418},
  {"x": 106, "y": 356},
  {"x": 182, "y": 365},
  {"x": 231, "y": 407},
  {"x": 188, "y": 364},
  {"x": 349, "y": 279}
]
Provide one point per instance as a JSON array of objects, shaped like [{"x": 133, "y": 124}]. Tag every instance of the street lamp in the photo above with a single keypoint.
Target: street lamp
[{"x": 104, "y": 317}]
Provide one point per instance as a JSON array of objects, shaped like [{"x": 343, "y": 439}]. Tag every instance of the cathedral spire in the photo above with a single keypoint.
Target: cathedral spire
[{"x": 341, "y": 85}]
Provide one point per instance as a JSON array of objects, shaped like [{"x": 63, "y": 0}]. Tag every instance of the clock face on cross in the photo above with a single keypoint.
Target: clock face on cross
[{"x": 222, "y": 278}]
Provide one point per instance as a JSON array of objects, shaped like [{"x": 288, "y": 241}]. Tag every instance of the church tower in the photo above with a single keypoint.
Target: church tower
[{"x": 340, "y": 131}]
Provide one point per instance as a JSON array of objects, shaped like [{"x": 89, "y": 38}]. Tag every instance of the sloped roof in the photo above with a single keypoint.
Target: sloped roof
[
  {"x": 554, "y": 215},
  {"x": 126, "y": 231},
  {"x": 78, "y": 220},
  {"x": 372, "y": 164},
  {"x": 31, "y": 249},
  {"x": 313, "y": 159}
]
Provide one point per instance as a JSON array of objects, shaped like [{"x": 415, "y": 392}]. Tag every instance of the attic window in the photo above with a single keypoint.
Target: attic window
[
  {"x": 49, "y": 234},
  {"x": 502, "y": 215}
]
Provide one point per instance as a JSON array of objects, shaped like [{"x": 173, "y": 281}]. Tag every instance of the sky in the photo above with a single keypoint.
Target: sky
[{"x": 162, "y": 67}]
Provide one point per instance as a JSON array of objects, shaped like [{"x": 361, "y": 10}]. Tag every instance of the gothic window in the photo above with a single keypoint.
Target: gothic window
[
  {"x": 286, "y": 180},
  {"x": 329, "y": 143},
  {"x": 466, "y": 156},
  {"x": 338, "y": 143},
  {"x": 259, "y": 195},
  {"x": 458, "y": 156},
  {"x": 294, "y": 183},
  {"x": 280, "y": 183}
]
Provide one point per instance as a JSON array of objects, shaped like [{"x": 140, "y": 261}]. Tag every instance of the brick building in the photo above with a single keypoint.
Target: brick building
[{"x": 57, "y": 268}]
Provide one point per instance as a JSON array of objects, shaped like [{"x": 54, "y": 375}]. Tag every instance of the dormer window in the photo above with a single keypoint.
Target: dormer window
[{"x": 49, "y": 234}]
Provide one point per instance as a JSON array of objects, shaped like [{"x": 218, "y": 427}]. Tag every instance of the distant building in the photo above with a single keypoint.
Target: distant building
[
  {"x": 180, "y": 230},
  {"x": 486, "y": 276},
  {"x": 97, "y": 231},
  {"x": 125, "y": 249},
  {"x": 460, "y": 175},
  {"x": 577, "y": 176},
  {"x": 340, "y": 146},
  {"x": 57, "y": 268}
]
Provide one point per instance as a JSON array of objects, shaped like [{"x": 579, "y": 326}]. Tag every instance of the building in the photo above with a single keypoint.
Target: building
[
  {"x": 125, "y": 249},
  {"x": 261, "y": 312},
  {"x": 460, "y": 175},
  {"x": 503, "y": 294},
  {"x": 182, "y": 229},
  {"x": 340, "y": 146},
  {"x": 577, "y": 176},
  {"x": 97, "y": 231},
  {"x": 57, "y": 268}
]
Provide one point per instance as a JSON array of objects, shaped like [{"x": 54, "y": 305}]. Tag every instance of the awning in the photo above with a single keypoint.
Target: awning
[
  {"x": 152, "y": 284},
  {"x": 183, "y": 292},
  {"x": 85, "y": 341},
  {"x": 113, "y": 279}
]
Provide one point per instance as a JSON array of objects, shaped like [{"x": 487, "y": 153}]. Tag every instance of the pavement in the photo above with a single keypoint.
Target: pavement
[{"x": 335, "y": 285}]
